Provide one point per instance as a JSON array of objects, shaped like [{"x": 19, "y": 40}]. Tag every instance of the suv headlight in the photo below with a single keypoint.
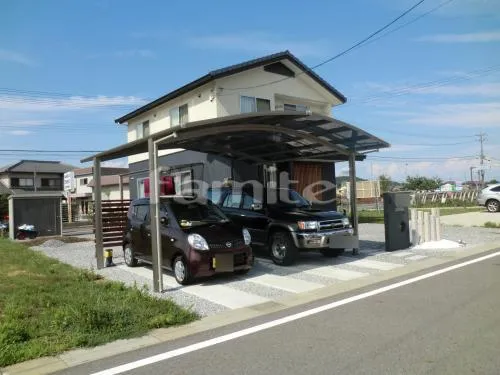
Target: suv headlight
[
  {"x": 346, "y": 222},
  {"x": 304, "y": 225},
  {"x": 246, "y": 236},
  {"x": 198, "y": 242}
]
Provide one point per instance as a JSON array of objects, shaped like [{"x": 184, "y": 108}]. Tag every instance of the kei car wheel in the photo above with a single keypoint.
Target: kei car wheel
[
  {"x": 129, "y": 256},
  {"x": 181, "y": 271},
  {"x": 283, "y": 250},
  {"x": 332, "y": 253},
  {"x": 493, "y": 205}
]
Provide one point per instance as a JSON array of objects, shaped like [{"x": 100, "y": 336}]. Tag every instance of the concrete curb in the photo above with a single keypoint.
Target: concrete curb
[{"x": 47, "y": 365}]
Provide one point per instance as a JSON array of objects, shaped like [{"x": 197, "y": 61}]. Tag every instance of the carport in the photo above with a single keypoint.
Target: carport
[{"x": 262, "y": 138}]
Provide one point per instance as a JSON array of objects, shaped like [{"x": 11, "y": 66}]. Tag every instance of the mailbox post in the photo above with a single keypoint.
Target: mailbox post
[{"x": 396, "y": 220}]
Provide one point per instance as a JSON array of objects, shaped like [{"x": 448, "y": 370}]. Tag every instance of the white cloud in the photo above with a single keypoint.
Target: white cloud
[
  {"x": 479, "y": 89},
  {"x": 467, "y": 115},
  {"x": 259, "y": 42},
  {"x": 25, "y": 123},
  {"x": 19, "y": 132},
  {"x": 480, "y": 37},
  {"x": 129, "y": 53},
  {"x": 15, "y": 57},
  {"x": 26, "y": 103}
]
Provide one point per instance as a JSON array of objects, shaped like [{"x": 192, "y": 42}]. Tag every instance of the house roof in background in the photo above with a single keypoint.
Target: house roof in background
[
  {"x": 39, "y": 166},
  {"x": 110, "y": 181},
  {"x": 230, "y": 70},
  {"x": 105, "y": 171}
]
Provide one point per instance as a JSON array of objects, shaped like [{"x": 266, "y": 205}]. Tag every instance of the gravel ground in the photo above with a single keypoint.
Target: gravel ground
[{"x": 81, "y": 255}]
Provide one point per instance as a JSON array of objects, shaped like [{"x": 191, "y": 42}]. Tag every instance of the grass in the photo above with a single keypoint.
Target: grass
[
  {"x": 373, "y": 216},
  {"x": 491, "y": 224},
  {"x": 47, "y": 307}
]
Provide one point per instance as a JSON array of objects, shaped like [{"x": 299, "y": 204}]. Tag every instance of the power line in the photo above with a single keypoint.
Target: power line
[
  {"x": 340, "y": 54},
  {"x": 50, "y": 151}
]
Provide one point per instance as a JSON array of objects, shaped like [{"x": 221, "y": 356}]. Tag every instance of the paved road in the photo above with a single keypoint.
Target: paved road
[{"x": 447, "y": 324}]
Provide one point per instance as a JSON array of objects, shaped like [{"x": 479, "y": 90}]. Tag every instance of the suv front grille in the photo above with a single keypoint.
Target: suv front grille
[
  {"x": 223, "y": 245},
  {"x": 331, "y": 224}
]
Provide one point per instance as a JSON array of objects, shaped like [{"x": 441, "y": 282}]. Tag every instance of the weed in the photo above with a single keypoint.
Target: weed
[{"x": 491, "y": 224}]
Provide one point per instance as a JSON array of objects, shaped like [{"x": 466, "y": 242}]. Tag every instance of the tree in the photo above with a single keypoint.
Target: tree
[
  {"x": 494, "y": 181},
  {"x": 385, "y": 183},
  {"x": 422, "y": 183}
]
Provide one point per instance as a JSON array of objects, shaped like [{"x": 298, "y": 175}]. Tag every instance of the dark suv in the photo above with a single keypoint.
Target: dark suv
[
  {"x": 198, "y": 240},
  {"x": 287, "y": 223}
]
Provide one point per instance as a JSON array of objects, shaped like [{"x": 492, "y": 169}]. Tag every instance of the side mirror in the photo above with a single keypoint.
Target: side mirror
[
  {"x": 256, "y": 206},
  {"x": 163, "y": 220}
]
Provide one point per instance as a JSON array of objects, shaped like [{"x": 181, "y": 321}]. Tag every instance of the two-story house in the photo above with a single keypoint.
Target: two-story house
[
  {"x": 81, "y": 193},
  {"x": 278, "y": 82},
  {"x": 34, "y": 175}
]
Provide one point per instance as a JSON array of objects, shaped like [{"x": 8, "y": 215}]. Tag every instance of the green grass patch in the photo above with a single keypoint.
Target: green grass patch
[
  {"x": 491, "y": 224},
  {"x": 47, "y": 307},
  {"x": 374, "y": 216},
  {"x": 371, "y": 216}
]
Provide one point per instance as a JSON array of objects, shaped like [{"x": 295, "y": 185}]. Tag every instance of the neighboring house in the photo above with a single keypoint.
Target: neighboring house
[
  {"x": 278, "y": 82},
  {"x": 81, "y": 190},
  {"x": 34, "y": 176}
]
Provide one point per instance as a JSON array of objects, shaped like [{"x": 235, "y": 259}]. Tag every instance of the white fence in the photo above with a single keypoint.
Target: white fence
[{"x": 422, "y": 197}]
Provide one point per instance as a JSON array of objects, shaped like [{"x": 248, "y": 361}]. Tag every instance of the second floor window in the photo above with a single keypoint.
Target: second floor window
[
  {"x": 295, "y": 107},
  {"x": 179, "y": 115},
  {"x": 252, "y": 104},
  {"x": 84, "y": 181},
  {"x": 21, "y": 182},
  {"x": 142, "y": 130},
  {"x": 51, "y": 182}
]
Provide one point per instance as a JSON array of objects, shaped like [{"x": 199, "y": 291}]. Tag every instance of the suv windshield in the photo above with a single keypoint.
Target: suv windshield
[
  {"x": 194, "y": 213},
  {"x": 286, "y": 197}
]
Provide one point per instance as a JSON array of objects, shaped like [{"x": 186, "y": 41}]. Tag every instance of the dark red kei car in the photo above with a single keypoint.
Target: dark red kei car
[{"x": 198, "y": 240}]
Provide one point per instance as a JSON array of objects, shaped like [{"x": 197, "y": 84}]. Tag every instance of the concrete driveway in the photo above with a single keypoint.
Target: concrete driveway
[{"x": 471, "y": 219}]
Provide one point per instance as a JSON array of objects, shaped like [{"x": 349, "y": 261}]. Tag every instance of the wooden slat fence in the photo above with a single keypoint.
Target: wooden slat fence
[{"x": 114, "y": 221}]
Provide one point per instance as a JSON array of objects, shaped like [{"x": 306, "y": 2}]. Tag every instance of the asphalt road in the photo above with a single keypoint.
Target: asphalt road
[{"x": 447, "y": 324}]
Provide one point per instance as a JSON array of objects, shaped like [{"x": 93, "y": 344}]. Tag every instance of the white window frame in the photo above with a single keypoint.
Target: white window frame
[
  {"x": 183, "y": 187},
  {"x": 177, "y": 115},
  {"x": 255, "y": 98},
  {"x": 140, "y": 192},
  {"x": 297, "y": 107},
  {"x": 140, "y": 130}
]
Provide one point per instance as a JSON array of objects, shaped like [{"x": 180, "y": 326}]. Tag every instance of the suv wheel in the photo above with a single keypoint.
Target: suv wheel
[
  {"x": 181, "y": 271},
  {"x": 332, "y": 253},
  {"x": 493, "y": 205},
  {"x": 283, "y": 250},
  {"x": 129, "y": 256}
]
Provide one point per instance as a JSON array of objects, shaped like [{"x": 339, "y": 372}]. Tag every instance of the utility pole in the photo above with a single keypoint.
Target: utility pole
[{"x": 481, "y": 137}]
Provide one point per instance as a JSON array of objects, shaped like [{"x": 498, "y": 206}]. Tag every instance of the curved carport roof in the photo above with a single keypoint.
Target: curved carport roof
[
  {"x": 258, "y": 138},
  {"x": 264, "y": 137}
]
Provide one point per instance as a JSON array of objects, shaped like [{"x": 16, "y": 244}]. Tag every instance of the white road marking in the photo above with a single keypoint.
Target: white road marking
[
  {"x": 219, "y": 294},
  {"x": 285, "y": 283},
  {"x": 402, "y": 254},
  {"x": 333, "y": 272},
  {"x": 417, "y": 257},
  {"x": 287, "y": 319},
  {"x": 372, "y": 264}
]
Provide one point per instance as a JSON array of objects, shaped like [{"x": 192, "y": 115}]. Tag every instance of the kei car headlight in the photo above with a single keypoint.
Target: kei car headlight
[
  {"x": 246, "y": 236},
  {"x": 308, "y": 224},
  {"x": 198, "y": 242},
  {"x": 346, "y": 222}
]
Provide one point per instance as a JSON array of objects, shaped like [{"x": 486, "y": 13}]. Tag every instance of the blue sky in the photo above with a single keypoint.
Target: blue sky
[{"x": 107, "y": 57}]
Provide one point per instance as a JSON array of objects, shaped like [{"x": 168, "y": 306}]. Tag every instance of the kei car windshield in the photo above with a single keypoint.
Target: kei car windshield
[{"x": 195, "y": 213}]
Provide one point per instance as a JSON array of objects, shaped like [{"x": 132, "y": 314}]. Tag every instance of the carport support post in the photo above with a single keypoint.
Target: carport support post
[
  {"x": 154, "y": 209},
  {"x": 99, "y": 247},
  {"x": 354, "y": 209}
]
